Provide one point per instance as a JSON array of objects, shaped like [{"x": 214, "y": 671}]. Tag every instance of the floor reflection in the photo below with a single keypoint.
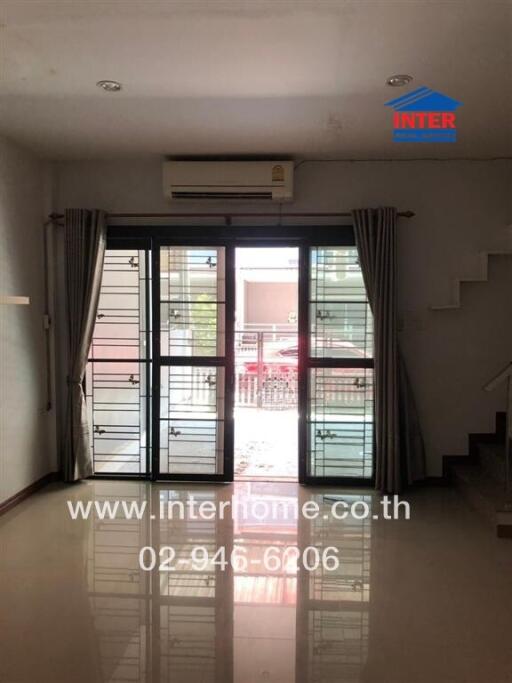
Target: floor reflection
[
  {"x": 265, "y": 601},
  {"x": 119, "y": 591},
  {"x": 428, "y": 599},
  {"x": 191, "y": 625},
  {"x": 334, "y": 605},
  {"x": 253, "y": 623}
]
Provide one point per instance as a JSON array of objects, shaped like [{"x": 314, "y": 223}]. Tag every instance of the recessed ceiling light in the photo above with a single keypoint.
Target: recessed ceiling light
[
  {"x": 109, "y": 86},
  {"x": 398, "y": 80}
]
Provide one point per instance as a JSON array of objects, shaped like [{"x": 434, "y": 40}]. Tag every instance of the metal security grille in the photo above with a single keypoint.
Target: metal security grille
[
  {"x": 341, "y": 421},
  {"x": 192, "y": 315},
  {"x": 340, "y": 317},
  {"x": 192, "y": 368},
  {"x": 340, "y": 433},
  {"x": 117, "y": 375},
  {"x": 192, "y": 419},
  {"x": 192, "y": 299}
]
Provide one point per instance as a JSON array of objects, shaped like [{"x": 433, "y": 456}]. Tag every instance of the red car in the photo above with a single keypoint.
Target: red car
[{"x": 291, "y": 353}]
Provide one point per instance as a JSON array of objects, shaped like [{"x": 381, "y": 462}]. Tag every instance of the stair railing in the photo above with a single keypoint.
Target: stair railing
[{"x": 505, "y": 375}]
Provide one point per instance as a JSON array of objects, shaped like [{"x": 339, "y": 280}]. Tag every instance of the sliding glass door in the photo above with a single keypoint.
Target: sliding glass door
[
  {"x": 160, "y": 381},
  {"x": 337, "y": 369},
  {"x": 193, "y": 368}
]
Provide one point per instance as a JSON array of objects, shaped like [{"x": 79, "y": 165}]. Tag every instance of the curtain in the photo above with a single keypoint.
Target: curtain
[
  {"x": 85, "y": 236},
  {"x": 400, "y": 457}
]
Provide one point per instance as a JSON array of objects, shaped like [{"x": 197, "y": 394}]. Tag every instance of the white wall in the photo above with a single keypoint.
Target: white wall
[
  {"x": 27, "y": 447},
  {"x": 462, "y": 207}
]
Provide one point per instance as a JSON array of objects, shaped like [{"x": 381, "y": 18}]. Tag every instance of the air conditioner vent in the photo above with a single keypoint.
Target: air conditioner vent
[{"x": 222, "y": 194}]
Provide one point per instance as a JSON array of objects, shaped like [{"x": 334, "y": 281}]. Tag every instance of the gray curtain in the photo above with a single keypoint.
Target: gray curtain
[
  {"x": 85, "y": 236},
  {"x": 400, "y": 458}
]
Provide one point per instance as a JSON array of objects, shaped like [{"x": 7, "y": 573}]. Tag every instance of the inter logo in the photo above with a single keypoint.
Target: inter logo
[{"x": 424, "y": 116}]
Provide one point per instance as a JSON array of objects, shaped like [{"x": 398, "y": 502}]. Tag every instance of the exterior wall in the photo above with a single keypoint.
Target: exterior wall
[
  {"x": 461, "y": 207},
  {"x": 270, "y": 302},
  {"x": 27, "y": 446}
]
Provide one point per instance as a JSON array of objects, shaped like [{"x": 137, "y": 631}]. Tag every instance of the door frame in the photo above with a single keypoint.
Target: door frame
[
  {"x": 227, "y": 361},
  {"x": 230, "y": 237}
]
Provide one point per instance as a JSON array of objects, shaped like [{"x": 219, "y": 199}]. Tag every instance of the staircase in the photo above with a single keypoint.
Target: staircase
[
  {"x": 482, "y": 276},
  {"x": 484, "y": 476},
  {"x": 480, "y": 476}
]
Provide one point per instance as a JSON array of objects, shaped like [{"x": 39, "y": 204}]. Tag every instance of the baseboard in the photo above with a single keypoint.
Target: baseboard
[{"x": 28, "y": 491}]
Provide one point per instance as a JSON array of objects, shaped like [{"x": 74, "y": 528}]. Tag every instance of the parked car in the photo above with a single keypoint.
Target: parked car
[
  {"x": 349, "y": 349},
  {"x": 273, "y": 363}
]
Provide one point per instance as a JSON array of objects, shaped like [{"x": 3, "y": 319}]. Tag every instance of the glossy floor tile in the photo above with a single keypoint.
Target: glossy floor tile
[{"x": 417, "y": 601}]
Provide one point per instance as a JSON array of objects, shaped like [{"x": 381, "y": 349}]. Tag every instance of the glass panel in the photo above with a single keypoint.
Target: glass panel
[
  {"x": 341, "y": 324},
  {"x": 191, "y": 420},
  {"x": 192, "y": 301},
  {"x": 340, "y": 422},
  {"x": 120, "y": 327},
  {"x": 117, "y": 393},
  {"x": 116, "y": 403}
]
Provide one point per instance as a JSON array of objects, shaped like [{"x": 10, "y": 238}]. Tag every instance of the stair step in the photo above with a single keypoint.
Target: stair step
[
  {"x": 484, "y": 493},
  {"x": 457, "y": 283},
  {"x": 492, "y": 460}
]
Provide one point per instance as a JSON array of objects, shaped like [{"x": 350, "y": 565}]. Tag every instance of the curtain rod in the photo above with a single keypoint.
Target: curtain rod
[{"x": 227, "y": 216}]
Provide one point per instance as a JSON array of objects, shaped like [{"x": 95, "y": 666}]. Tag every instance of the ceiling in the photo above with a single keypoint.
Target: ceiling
[{"x": 281, "y": 78}]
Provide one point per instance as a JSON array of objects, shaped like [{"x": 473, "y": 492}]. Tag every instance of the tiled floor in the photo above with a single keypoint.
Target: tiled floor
[
  {"x": 266, "y": 444},
  {"x": 421, "y": 601}
]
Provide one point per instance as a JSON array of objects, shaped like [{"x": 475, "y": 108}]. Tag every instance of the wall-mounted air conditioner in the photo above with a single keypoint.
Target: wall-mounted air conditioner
[{"x": 238, "y": 180}]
